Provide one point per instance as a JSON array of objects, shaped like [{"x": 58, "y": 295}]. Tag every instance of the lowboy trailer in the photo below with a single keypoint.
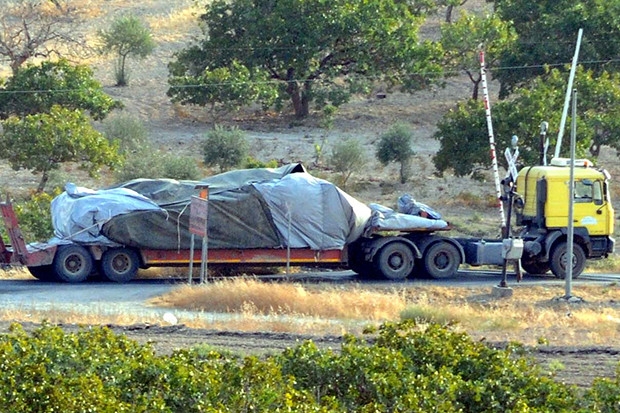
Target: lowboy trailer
[{"x": 541, "y": 196}]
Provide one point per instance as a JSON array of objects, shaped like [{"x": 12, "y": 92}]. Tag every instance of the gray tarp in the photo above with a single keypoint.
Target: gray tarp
[{"x": 253, "y": 208}]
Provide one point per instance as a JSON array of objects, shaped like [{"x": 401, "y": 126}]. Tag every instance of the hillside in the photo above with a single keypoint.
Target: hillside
[{"x": 180, "y": 129}]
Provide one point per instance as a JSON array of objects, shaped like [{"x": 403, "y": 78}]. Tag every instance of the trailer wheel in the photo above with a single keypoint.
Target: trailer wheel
[
  {"x": 394, "y": 261},
  {"x": 559, "y": 260},
  {"x": 441, "y": 260},
  {"x": 535, "y": 267},
  {"x": 120, "y": 264},
  {"x": 72, "y": 263},
  {"x": 43, "y": 273}
]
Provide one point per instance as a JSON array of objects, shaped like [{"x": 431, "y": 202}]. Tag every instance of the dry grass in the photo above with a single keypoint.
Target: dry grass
[
  {"x": 531, "y": 316},
  {"x": 267, "y": 298},
  {"x": 176, "y": 25}
]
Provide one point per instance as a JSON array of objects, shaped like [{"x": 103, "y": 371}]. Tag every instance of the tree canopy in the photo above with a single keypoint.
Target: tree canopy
[
  {"x": 306, "y": 52},
  {"x": 463, "y": 131},
  {"x": 547, "y": 31},
  {"x": 127, "y": 36},
  {"x": 37, "y": 88},
  {"x": 43, "y": 141}
]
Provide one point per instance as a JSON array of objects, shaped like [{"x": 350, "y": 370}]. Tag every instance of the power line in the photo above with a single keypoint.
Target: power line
[{"x": 267, "y": 82}]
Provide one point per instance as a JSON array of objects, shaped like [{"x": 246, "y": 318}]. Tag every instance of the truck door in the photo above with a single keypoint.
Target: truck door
[{"x": 590, "y": 207}]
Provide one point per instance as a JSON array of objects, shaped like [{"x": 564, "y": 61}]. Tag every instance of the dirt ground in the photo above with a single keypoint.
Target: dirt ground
[{"x": 179, "y": 129}]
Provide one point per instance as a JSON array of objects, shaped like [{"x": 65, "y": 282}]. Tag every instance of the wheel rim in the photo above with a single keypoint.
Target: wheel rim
[
  {"x": 74, "y": 263},
  {"x": 121, "y": 263},
  {"x": 564, "y": 260},
  {"x": 441, "y": 261},
  {"x": 395, "y": 261}
]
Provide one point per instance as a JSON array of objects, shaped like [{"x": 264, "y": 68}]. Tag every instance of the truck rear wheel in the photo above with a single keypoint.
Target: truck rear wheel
[
  {"x": 120, "y": 264},
  {"x": 559, "y": 260},
  {"x": 72, "y": 263},
  {"x": 441, "y": 260},
  {"x": 394, "y": 261}
]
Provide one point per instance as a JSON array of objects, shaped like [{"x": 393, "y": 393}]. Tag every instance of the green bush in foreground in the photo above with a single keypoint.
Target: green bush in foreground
[{"x": 405, "y": 369}]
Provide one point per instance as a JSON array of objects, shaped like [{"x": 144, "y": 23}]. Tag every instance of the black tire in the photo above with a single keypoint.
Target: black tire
[
  {"x": 535, "y": 267},
  {"x": 72, "y": 263},
  {"x": 43, "y": 273},
  {"x": 394, "y": 261},
  {"x": 559, "y": 262},
  {"x": 120, "y": 264},
  {"x": 441, "y": 260}
]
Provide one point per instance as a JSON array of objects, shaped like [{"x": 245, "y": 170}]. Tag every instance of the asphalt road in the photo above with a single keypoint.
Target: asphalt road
[{"x": 112, "y": 298}]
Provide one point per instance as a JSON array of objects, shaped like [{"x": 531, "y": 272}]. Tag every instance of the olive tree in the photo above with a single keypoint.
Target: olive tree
[
  {"x": 127, "y": 36},
  {"x": 395, "y": 146},
  {"x": 463, "y": 39}
]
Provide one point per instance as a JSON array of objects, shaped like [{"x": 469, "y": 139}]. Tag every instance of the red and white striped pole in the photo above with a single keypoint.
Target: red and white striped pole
[{"x": 487, "y": 108}]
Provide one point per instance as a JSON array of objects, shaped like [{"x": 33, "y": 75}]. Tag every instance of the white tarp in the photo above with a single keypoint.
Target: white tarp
[
  {"x": 79, "y": 213},
  {"x": 386, "y": 219}
]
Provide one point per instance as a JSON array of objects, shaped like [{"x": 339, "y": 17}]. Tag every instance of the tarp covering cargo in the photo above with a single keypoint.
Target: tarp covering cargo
[
  {"x": 251, "y": 208},
  {"x": 255, "y": 208}
]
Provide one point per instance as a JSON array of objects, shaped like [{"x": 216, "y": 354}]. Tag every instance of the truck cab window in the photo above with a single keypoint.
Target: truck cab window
[{"x": 584, "y": 191}]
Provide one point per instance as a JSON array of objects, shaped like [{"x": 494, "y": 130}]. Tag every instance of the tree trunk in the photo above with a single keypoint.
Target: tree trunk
[
  {"x": 405, "y": 170},
  {"x": 299, "y": 98},
  {"x": 476, "y": 82},
  {"x": 305, "y": 100},
  {"x": 449, "y": 13},
  {"x": 44, "y": 178},
  {"x": 121, "y": 77},
  {"x": 17, "y": 62}
]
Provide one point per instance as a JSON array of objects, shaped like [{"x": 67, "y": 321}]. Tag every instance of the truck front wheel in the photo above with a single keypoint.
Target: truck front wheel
[
  {"x": 560, "y": 260},
  {"x": 72, "y": 263},
  {"x": 120, "y": 264},
  {"x": 441, "y": 260},
  {"x": 394, "y": 261}
]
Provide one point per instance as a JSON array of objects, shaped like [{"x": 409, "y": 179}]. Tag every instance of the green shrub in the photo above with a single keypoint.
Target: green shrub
[
  {"x": 129, "y": 131},
  {"x": 35, "y": 217},
  {"x": 143, "y": 163},
  {"x": 226, "y": 148},
  {"x": 154, "y": 164},
  {"x": 253, "y": 163},
  {"x": 395, "y": 146},
  {"x": 414, "y": 369},
  {"x": 180, "y": 167},
  {"x": 404, "y": 367},
  {"x": 604, "y": 396},
  {"x": 347, "y": 157}
]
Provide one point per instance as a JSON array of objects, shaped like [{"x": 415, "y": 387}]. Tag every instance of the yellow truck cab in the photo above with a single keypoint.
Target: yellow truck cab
[{"x": 542, "y": 208}]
